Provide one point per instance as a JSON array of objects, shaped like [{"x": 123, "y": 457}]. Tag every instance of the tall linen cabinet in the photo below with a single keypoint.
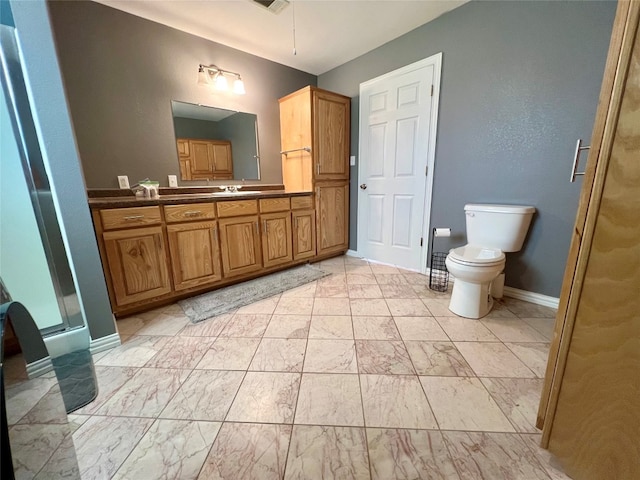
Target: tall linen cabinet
[{"x": 314, "y": 132}]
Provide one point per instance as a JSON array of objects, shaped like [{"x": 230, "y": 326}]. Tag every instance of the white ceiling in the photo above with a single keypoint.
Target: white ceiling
[{"x": 328, "y": 33}]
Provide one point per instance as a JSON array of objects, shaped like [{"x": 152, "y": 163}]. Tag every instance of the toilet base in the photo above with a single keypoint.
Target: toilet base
[{"x": 470, "y": 300}]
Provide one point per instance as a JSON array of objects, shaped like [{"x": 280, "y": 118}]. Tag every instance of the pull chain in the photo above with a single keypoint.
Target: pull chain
[{"x": 293, "y": 16}]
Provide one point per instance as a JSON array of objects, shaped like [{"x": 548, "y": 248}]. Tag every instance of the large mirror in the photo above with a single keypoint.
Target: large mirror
[{"x": 214, "y": 143}]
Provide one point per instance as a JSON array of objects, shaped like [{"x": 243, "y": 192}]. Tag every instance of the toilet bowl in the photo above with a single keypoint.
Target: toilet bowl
[
  {"x": 491, "y": 231},
  {"x": 474, "y": 268}
]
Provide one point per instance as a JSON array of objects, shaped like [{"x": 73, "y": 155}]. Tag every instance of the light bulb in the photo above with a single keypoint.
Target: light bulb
[
  {"x": 238, "y": 86},
  {"x": 221, "y": 82}
]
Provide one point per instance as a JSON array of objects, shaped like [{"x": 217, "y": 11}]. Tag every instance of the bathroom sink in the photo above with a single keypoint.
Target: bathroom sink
[{"x": 233, "y": 194}]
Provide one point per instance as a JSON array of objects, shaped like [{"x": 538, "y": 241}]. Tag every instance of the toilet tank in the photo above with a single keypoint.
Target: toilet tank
[{"x": 498, "y": 226}]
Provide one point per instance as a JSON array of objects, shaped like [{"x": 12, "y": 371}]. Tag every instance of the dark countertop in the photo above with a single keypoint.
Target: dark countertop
[{"x": 133, "y": 201}]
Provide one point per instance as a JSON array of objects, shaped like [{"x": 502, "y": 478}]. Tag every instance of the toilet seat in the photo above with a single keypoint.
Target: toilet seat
[{"x": 473, "y": 255}]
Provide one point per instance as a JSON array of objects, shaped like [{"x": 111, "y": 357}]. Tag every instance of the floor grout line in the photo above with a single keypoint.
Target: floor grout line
[{"x": 353, "y": 270}]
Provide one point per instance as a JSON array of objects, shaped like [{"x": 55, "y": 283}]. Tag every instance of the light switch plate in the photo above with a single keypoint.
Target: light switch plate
[
  {"x": 352, "y": 160},
  {"x": 173, "y": 180},
  {"x": 123, "y": 181}
]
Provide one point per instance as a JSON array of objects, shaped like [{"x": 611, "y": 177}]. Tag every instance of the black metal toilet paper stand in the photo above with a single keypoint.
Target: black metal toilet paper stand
[{"x": 438, "y": 273}]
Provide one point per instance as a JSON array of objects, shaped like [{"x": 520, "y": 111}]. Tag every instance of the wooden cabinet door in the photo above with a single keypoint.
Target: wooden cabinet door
[
  {"x": 304, "y": 234},
  {"x": 332, "y": 217},
  {"x": 183, "y": 147},
  {"x": 240, "y": 245},
  {"x": 201, "y": 159},
  {"x": 331, "y": 135},
  {"x": 138, "y": 264},
  {"x": 276, "y": 238},
  {"x": 194, "y": 253},
  {"x": 221, "y": 158}
]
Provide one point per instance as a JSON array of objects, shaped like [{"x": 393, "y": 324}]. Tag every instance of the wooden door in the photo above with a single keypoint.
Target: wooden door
[
  {"x": 276, "y": 238},
  {"x": 304, "y": 234},
  {"x": 138, "y": 264},
  {"x": 201, "y": 159},
  {"x": 332, "y": 217},
  {"x": 590, "y": 402},
  {"x": 398, "y": 112},
  {"x": 195, "y": 254},
  {"x": 331, "y": 120},
  {"x": 240, "y": 245}
]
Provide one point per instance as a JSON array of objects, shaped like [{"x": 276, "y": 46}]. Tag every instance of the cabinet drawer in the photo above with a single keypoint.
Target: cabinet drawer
[
  {"x": 298, "y": 203},
  {"x": 130, "y": 217},
  {"x": 268, "y": 205},
  {"x": 193, "y": 211},
  {"x": 237, "y": 207}
]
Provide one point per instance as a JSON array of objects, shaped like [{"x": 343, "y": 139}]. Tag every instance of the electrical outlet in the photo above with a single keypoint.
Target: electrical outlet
[
  {"x": 123, "y": 181},
  {"x": 352, "y": 160},
  {"x": 173, "y": 180}
]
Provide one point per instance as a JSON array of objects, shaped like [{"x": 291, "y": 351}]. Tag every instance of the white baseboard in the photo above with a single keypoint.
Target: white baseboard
[
  {"x": 531, "y": 297},
  {"x": 104, "y": 343},
  {"x": 39, "y": 367}
]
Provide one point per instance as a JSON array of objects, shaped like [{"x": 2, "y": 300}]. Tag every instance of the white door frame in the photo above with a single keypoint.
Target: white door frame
[{"x": 436, "y": 61}]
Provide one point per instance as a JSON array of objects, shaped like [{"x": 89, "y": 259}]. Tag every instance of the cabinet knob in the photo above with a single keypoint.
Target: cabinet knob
[{"x": 363, "y": 186}]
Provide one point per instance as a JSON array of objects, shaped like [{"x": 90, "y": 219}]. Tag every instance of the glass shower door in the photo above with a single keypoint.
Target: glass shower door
[{"x": 33, "y": 260}]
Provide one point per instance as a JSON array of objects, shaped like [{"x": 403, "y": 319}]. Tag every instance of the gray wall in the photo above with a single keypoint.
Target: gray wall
[
  {"x": 121, "y": 73},
  {"x": 194, "y": 128},
  {"x": 240, "y": 129},
  {"x": 520, "y": 84},
  {"x": 56, "y": 137}
]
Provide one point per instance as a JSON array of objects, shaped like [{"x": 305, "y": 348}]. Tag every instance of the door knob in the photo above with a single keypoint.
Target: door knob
[{"x": 363, "y": 186}]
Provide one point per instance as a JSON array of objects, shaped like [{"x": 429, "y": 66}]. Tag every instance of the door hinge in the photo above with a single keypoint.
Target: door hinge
[
  {"x": 432, "y": 90},
  {"x": 421, "y": 239},
  {"x": 426, "y": 171}
]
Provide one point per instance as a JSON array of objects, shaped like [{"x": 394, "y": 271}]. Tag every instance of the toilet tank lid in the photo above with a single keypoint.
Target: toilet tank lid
[{"x": 472, "y": 207}]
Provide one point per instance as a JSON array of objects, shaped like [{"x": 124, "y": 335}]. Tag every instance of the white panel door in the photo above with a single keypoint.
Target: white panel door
[{"x": 398, "y": 114}]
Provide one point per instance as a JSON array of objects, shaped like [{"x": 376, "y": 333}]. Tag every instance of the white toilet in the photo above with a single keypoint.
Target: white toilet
[{"x": 491, "y": 231}]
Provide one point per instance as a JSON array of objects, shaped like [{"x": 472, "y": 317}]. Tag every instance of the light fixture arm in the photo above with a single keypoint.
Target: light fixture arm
[{"x": 213, "y": 69}]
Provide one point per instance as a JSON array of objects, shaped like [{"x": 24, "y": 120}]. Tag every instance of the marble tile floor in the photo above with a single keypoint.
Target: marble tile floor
[{"x": 364, "y": 374}]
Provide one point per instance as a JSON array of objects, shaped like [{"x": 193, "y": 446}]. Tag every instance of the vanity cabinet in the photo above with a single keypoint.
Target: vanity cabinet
[
  {"x": 275, "y": 219},
  {"x": 303, "y": 218},
  {"x": 239, "y": 237},
  {"x": 240, "y": 241},
  {"x": 276, "y": 238},
  {"x": 163, "y": 252},
  {"x": 135, "y": 253},
  {"x": 193, "y": 246},
  {"x": 332, "y": 210},
  {"x": 314, "y": 125},
  {"x": 205, "y": 159}
]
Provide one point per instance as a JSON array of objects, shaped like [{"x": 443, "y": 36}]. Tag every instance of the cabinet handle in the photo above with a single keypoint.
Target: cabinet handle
[
  {"x": 264, "y": 223},
  {"x": 257, "y": 229},
  {"x": 192, "y": 213},
  {"x": 131, "y": 218},
  {"x": 215, "y": 235},
  {"x": 318, "y": 168}
]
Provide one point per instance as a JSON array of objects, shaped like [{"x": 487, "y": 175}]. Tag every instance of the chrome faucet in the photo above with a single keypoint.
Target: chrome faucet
[{"x": 230, "y": 188}]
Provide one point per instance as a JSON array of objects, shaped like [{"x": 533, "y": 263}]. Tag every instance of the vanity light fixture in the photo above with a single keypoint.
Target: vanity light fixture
[{"x": 212, "y": 75}]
